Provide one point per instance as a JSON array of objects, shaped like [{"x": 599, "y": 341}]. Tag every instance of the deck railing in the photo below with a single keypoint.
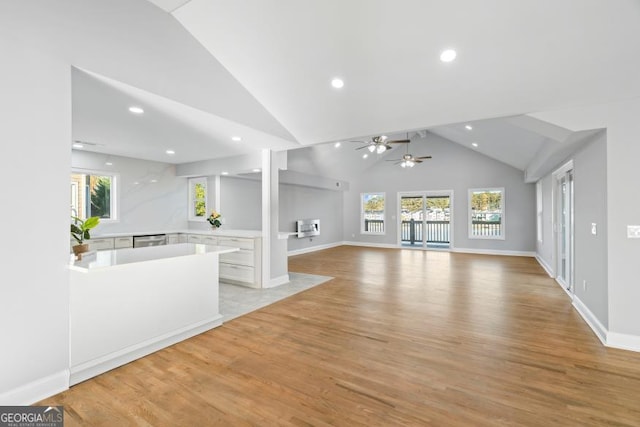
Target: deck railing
[{"x": 437, "y": 231}]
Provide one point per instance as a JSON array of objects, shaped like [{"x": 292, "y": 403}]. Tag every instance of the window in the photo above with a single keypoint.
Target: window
[
  {"x": 486, "y": 213},
  {"x": 539, "y": 210},
  {"x": 93, "y": 194},
  {"x": 197, "y": 199},
  {"x": 372, "y": 213}
]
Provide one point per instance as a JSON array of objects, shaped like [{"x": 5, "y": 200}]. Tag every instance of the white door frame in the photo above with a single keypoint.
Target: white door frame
[
  {"x": 562, "y": 171},
  {"x": 425, "y": 194}
]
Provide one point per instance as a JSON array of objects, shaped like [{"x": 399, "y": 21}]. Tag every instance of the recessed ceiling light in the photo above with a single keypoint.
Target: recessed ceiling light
[
  {"x": 256, "y": 170},
  {"x": 77, "y": 145},
  {"x": 154, "y": 180},
  {"x": 475, "y": 144},
  {"x": 224, "y": 173},
  {"x": 365, "y": 155},
  {"x": 337, "y": 145},
  {"x": 337, "y": 83},
  {"x": 236, "y": 138},
  {"x": 136, "y": 110},
  {"x": 170, "y": 152},
  {"x": 448, "y": 55},
  {"x": 468, "y": 127},
  {"x": 108, "y": 163},
  {"x": 136, "y": 183}
]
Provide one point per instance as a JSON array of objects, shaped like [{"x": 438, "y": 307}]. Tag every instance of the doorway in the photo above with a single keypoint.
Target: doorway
[
  {"x": 563, "y": 226},
  {"x": 425, "y": 219}
]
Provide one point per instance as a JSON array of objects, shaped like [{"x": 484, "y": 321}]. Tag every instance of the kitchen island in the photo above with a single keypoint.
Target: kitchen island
[{"x": 127, "y": 303}]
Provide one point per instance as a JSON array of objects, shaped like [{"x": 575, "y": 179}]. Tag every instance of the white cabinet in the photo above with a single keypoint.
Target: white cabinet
[
  {"x": 123, "y": 242},
  {"x": 100, "y": 243},
  {"x": 173, "y": 239},
  {"x": 242, "y": 267}
]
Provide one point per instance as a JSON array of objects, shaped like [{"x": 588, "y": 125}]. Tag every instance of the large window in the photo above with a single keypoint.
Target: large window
[
  {"x": 93, "y": 194},
  {"x": 486, "y": 213},
  {"x": 372, "y": 213},
  {"x": 197, "y": 199}
]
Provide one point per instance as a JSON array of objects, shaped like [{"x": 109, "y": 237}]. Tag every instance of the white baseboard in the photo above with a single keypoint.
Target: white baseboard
[
  {"x": 596, "y": 326},
  {"x": 493, "y": 252},
  {"x": 37, "y": 390},
  {"x": 110, "y": 361},
  {"x": 623, "y": 341},
  {"x": 372, "y": 245},
  {"x": 281, "y": 280},
  {"x": 314, "y": 248},
  {"x": 546, "y": 266}
]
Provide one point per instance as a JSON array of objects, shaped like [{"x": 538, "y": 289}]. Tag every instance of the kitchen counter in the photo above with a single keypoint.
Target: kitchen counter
[
  {"x": 127, "y": 303},
  {"x": 251, "y": 234},
  {"x": 110, "y": 258}
]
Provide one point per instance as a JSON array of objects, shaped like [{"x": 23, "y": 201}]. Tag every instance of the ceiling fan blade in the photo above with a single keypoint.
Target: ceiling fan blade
[
  {"x": 416, "y": 161},
  {"x": 393, "y": 160},
  {"x": 398, "y": 141},
  {"x": 364, "y": 146},
  {"x": 423, "y": 157}
]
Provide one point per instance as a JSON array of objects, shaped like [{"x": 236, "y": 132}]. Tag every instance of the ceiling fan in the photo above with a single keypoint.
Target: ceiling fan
[
  {"x": 409, "y": 160},
  {"x": 379, "y": 144}
]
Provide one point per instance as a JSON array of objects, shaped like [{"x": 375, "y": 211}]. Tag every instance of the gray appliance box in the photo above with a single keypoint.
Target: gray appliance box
[{"x": 308, "y": 227}]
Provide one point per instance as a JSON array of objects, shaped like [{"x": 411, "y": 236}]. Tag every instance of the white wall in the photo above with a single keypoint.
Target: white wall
[
  {"x": 143, "y": 205},
  {"x": 35, "y": 136},
  {"x": 298, "y": 202},
  {"x": 620, "y": 119},
  {"x": 590, "y": 198},
  {"x": 241, "y": 203},
  {"x": 452, "y": 167}
]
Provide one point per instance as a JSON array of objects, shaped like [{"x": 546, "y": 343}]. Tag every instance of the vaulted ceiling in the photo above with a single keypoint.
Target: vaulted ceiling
[{"x": 513, "y": 58}]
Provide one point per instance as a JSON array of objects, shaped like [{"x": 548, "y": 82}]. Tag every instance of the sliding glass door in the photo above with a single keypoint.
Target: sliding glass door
[{"x": 425, "y": 219}]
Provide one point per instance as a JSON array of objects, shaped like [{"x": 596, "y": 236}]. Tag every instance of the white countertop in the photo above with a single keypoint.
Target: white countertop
[
  {"x": 251, "y": 234},
  {"x": 110, "y": 258}
]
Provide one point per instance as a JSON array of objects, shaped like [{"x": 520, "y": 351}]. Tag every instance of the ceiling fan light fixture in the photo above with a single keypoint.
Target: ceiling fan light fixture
[
  {"x": 371, "y": 148},
  {"x": 380, "y": 149}
]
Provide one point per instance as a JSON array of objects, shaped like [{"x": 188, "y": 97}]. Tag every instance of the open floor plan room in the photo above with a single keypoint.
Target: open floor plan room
[{"x": 398, "y": 337}]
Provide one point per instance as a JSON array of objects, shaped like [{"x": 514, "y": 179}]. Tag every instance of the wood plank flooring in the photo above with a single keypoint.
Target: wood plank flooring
[{"x": 398, "y": 338}]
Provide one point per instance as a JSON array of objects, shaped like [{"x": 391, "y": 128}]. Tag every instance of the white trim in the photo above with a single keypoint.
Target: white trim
[
  {"x": 596, "y": 326},
  {"x": 266, "y": 216},
  {"x": 371, "y": 245},
  {"x": 110, "y": 361},
  {"x": 384, "y": 214},
  {"x": 623, "y": 341},
  {"x": 424, "y": 194},
  {"x": 494, "y": 252},
  {"x": 37, "y": 390},
  {"x": 545, "y": 266},
  {"x": 277, "y": 281},
  {"x": 314, "y": 248},
  {"x": 503, "y": 213}
]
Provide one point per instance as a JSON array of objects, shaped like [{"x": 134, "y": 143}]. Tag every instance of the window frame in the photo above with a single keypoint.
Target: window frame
[
  {"x": 539, "y": 212},
  {"x": 192, "y": 182},
  {"x": 362, "y": 213},
  {"x": 113, "y": 190},
  {"x": 503, "y": 215}
]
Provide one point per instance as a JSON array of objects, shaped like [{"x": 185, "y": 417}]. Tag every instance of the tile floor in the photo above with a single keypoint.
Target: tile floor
[{"x": 236, "y": 300}]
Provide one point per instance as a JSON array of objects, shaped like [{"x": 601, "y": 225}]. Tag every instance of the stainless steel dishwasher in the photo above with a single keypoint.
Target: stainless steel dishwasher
[{"x": 149, "y": 240}]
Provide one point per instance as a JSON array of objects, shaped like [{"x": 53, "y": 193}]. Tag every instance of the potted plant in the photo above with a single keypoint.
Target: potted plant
[
  {"x": 215, "y": 219},
  {"x": 80, "y": 231}
]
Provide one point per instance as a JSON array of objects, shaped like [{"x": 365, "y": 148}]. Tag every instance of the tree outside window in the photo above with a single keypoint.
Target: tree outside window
[
  {"x": 486, "y": 216},
  {"x": 372, "y": 213}
]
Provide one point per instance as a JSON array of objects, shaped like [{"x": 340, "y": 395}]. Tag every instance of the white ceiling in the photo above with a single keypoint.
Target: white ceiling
[
  {"x": 513, "y": 58},
  {"x": 101, "y": 116}
]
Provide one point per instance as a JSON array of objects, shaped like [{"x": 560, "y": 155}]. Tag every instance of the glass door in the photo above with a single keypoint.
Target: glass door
[
  {"x": 425, "y": 220},
  {"x": 564, "y": 228}
]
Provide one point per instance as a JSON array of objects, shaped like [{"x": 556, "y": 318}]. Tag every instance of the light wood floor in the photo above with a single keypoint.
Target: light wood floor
[{"x": 399, "y": 337}]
